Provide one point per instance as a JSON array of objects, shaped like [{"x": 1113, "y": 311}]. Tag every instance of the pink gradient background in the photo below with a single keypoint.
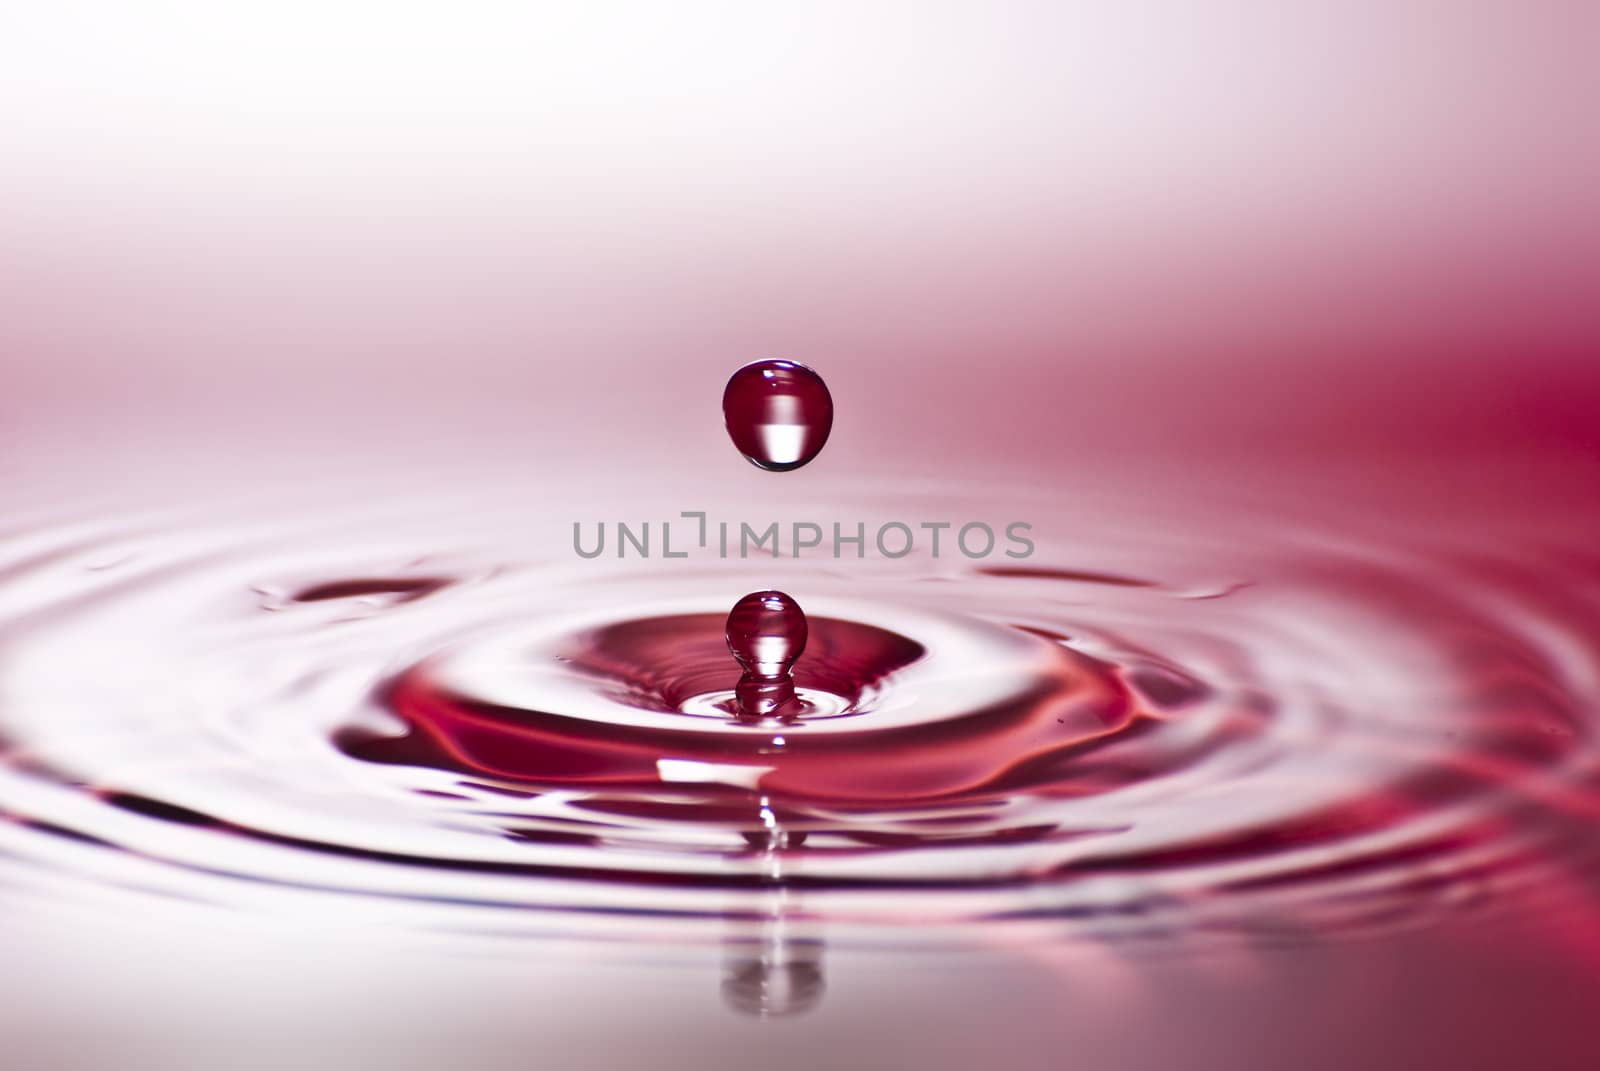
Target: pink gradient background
[{"x": 1221, "y": 248}]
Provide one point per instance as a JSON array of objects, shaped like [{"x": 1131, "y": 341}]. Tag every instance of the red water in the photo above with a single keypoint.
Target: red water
[
  {"x": 323, "y": 748},
  {"x": 778, "y": 413},
  {"x": 1269, "y": 725},
  {"x": 766, "y": 632}
]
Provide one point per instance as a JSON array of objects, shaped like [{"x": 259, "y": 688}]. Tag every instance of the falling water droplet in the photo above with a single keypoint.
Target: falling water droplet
[
  {"x": 778, "y": 413},
  {"x": 766, "y": 632}
]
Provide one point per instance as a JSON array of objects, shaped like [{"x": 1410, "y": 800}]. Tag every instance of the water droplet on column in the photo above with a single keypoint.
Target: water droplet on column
[
  {"x": 778, "y": 413},
  {"x": 766, "y": 633}
]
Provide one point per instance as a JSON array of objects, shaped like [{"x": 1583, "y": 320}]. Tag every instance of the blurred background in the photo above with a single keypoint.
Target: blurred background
[
  {"x": 1192, "y": 249},
  {"x": 396, "y": 225}
]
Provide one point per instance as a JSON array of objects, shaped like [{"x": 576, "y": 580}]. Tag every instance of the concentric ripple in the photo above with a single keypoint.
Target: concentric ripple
[{"x": 485, "y": 740}]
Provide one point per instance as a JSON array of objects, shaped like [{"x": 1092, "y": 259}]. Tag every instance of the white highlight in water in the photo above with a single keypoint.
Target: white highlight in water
[{"x": 690, "y": 772}]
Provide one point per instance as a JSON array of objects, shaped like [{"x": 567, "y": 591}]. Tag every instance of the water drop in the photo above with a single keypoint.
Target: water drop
[
  {"x": 778, "y": 414},
  {"x": 766, "y": 633}
]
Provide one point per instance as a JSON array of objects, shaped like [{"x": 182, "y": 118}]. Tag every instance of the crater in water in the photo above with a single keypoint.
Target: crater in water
[{"x": 484, "y": 740}]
